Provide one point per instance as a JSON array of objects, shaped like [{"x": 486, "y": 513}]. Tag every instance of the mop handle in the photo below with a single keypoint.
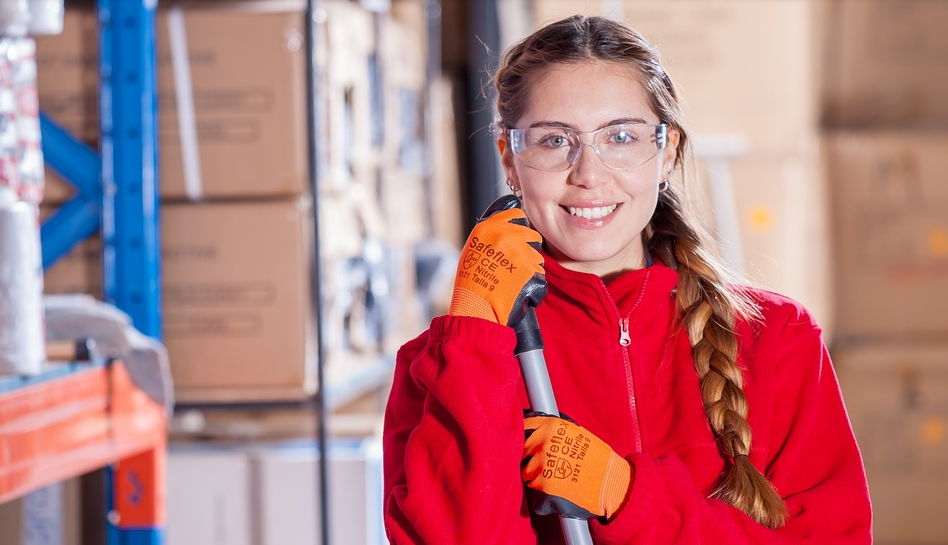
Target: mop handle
[{"x": 529, "y": 351}]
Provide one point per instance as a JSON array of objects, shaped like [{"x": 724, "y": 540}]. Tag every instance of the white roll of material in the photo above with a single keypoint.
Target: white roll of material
[{"x": 22, "y": 340}]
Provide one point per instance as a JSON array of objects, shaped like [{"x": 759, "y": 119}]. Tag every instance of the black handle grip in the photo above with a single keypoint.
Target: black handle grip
[
  {"x": 504, "y": 202},
  {"x": 528, "y": 333}
]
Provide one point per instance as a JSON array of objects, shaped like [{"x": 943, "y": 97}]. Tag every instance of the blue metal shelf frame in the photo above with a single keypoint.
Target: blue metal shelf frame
[
  {"x": 129, "y": 144},
  {"x": 117, "y": 187}
]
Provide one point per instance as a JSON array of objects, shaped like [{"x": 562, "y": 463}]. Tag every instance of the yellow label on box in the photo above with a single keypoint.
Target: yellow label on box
[
  {"x": 934, "y": 431},
  {"x": 761, "y": 218},
  {"x": 938, "y": 242}
]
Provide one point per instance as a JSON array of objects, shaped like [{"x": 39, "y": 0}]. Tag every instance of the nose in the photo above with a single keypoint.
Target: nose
[{"x": 587, "y": 169}]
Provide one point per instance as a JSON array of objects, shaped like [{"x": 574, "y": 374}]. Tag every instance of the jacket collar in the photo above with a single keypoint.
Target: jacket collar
[{"x": 651, "y": 287}]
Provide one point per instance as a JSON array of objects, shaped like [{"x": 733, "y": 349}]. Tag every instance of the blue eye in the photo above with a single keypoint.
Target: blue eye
[
  {"x": 555, "y": 140},
  {"x": 622, "y": 137}
]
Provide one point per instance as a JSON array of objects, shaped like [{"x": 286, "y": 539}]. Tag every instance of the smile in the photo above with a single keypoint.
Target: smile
[{"x": 594, "y": 212}]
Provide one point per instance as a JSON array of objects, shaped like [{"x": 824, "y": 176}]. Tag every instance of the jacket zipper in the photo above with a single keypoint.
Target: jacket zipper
[{"x": 625, "y": 339}]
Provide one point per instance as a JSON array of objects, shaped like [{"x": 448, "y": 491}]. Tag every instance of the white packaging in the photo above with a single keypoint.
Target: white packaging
[
  {"x": 14, "y": 17},
  {"x": 210, "y": 499},
  {"x": 22, "y": 343},
  {"x": 29, "y": 151},
  {"x": 46, "y": 17},
  {"x": 9, "y": 171},
  {"x": 289, "y": 503}
]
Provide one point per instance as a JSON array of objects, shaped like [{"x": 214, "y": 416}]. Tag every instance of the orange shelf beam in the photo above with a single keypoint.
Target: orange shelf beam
[{"x": 95, "y": 417}]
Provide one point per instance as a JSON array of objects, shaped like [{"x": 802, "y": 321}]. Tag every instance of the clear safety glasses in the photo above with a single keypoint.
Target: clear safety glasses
[{"x": 619, "y": 147}]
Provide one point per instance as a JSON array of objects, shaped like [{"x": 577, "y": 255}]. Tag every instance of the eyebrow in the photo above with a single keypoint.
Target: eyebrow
[{"x": 560, "y": 124}]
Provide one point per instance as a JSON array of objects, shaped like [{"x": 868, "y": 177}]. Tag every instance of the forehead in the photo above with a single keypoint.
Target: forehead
[{"x": 587, "y": 94}]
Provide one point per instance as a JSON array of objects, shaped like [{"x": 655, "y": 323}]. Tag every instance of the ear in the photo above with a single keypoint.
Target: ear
[
  {"x": 506, "y": 160},
  {"x": 671, "y": 148}
]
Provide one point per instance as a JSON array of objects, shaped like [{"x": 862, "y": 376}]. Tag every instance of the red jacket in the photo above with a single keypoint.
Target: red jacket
[{"x": 453, "y": 435}]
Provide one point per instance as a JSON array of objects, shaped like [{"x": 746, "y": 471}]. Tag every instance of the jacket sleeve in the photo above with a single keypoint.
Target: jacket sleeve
[
  {"x": 453, "y": 438},
  {"x": 809, "y": 454}
]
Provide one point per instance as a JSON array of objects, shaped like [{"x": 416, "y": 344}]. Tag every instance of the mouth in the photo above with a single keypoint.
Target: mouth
[{"x": 592, "y": 212}]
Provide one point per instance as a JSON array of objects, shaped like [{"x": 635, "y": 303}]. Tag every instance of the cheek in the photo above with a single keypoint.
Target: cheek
[{"x": 540, "y": 186}]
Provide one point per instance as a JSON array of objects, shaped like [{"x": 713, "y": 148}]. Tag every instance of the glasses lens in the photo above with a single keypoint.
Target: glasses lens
[
  {"x": 628, "y": 146},
  {"x": 618, "y": 146},
  {"x": 544, "y": 148}
]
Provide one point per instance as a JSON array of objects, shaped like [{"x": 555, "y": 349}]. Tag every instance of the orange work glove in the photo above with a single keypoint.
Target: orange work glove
[
  {"x": 500, "y": 272},
  {"x": 575, "y": 472}
]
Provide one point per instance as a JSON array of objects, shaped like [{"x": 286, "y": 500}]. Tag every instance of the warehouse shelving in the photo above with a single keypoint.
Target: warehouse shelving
[
  {"x": 117, "y": 196},
  {"x": 75, "y": 418},
  {"x": 72, "y": 419}
]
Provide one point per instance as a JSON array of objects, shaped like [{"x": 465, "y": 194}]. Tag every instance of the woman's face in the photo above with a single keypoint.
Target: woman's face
[{"x": 562, "y": 206}]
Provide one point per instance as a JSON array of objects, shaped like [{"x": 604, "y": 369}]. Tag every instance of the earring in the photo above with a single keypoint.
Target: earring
[
  {"x": 516, "y": 192},
  {"x": 663, "y": 186}
]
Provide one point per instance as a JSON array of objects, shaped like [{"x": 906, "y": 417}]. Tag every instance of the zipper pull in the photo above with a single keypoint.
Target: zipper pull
[{"x": 624, "y": 338}]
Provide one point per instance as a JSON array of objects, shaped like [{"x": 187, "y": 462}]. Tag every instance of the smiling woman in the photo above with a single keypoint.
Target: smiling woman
[{"x": 703, "y": 411}]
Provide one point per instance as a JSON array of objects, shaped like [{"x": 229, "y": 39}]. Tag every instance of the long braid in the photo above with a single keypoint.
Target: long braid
[{"x": 709, "y": 312}]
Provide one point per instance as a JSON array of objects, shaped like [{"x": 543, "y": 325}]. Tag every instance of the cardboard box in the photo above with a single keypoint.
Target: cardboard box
[
  {"x": 236, "y": 300},
  {"x": 889, "y": 205},
  {"x": 210, "y": 496},
  {"x": 236, "y": 295},
  {"x": 248, "y": 97},
  {"x": 886, "y": 64},
  {"x": 289, "y": 503},
  {"x": 770, "y": 215},
  {"x": 236, "y": 305},
  {"x": 746, "y": 69},
  {"x": 897, "y": 398}
]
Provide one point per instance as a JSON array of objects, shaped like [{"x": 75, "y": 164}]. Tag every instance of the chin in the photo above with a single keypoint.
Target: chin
[{"x": 586, "y": 254}]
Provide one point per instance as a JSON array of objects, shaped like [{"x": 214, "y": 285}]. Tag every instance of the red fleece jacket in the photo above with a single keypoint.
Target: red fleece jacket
[{"x": 453, "y": 435}]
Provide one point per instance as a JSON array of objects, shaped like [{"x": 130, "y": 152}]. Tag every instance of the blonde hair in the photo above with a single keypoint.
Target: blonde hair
[{"x": 708, "y": 305}]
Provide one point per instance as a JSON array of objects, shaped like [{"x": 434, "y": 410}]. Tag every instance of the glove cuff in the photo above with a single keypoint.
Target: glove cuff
[
  {"x": 616, "y": 485},
  {"x": 464, "y": 302}
]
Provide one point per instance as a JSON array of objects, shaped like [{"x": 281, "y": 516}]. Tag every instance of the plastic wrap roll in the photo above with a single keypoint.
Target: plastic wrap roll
[
  {"x": 29, "y": 151},
  {"x": 22, "y": 341}
]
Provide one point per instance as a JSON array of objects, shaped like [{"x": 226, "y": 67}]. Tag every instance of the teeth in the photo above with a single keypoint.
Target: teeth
[{"x": 591, "y": 213}]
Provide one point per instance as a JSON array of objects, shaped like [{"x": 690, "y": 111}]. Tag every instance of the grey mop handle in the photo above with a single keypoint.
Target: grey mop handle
[{"x": 536, "y": 378}]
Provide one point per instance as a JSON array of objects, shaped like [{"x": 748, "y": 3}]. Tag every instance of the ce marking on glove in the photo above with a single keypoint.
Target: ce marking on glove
[
  {"x": 562, "y": 446},
  {"x": 486, "y": 261}
]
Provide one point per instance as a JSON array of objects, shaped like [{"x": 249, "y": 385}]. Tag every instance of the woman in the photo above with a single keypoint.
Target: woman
[{"x": 699, "y": 411}]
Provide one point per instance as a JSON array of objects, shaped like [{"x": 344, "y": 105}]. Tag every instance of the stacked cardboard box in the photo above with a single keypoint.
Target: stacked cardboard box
[
  {"x": 895, "y": 394},
  {"x": 233, "y": 182},
  {"x": 237, "y": 210},
  {"x": 885, "y": 111}
]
